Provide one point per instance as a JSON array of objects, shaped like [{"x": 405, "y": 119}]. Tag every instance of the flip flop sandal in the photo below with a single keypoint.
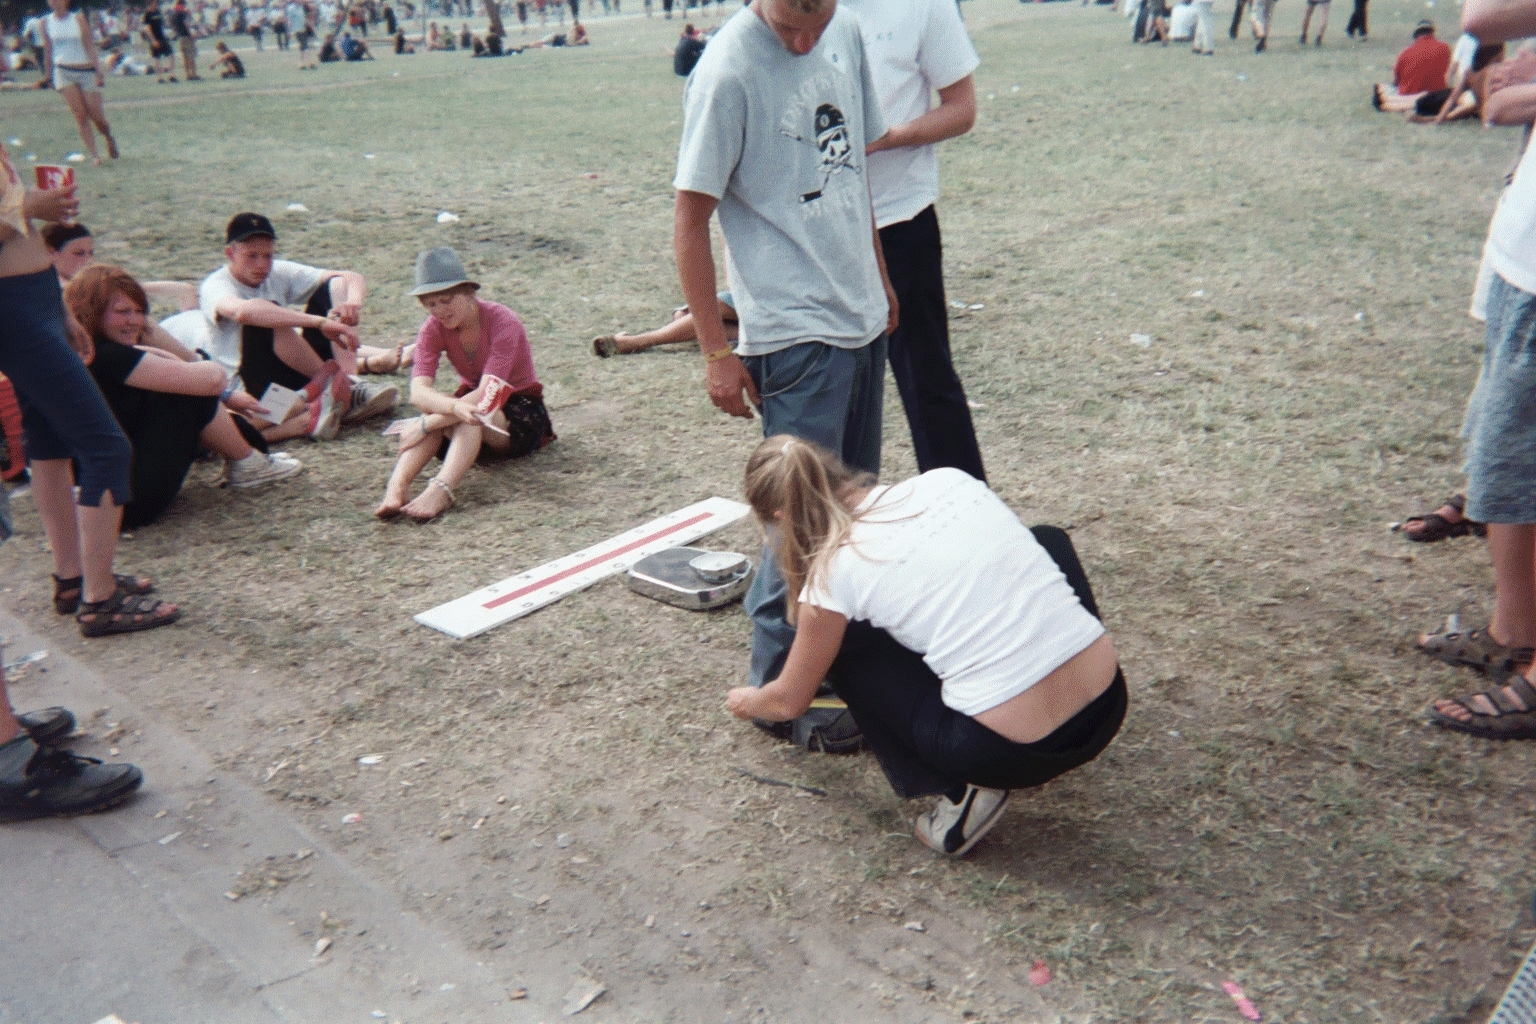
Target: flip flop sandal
[
  {"x": 1438, "y": 528},
  {"x": 1508, "y": 721},
  {"x": 1475, "y": 650},
  {"x": 66, "y": 593},
  {"x": 605, "y": 346},
  {"x": 123, "y": 613}
]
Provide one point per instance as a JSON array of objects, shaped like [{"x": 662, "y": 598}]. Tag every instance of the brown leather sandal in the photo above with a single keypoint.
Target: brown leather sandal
[
  {"x": 1474, "y": 649},
  {"x": 1513, "y": 714},
  {"x": 123, "y": 613}
]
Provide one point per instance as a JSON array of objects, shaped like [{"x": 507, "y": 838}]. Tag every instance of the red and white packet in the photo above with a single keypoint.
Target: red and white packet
[
  {"x": 52, "y": 176},
  {"x": 494, "y": 395}
]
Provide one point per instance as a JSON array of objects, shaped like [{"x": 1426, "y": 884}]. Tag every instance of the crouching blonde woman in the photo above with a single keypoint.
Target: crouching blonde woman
[{"x": 967, "y": 647}]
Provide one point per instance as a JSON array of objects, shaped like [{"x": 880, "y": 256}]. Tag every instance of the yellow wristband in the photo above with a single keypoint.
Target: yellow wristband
[{"x": 718, "y": 354}]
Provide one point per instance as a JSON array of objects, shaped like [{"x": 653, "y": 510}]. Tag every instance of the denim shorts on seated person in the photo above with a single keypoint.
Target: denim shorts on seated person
[{"x": 1500, "y": 424}]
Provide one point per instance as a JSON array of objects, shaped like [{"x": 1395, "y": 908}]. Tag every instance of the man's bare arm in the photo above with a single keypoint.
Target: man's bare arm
[
  {"x": 725, "y": 376},
  {"x": 1499, "y": 21},
  {"x": 955, "y": 115}
]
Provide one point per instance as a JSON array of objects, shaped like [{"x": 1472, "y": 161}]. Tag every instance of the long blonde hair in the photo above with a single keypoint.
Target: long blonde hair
[{"x": 798, "y": 490}]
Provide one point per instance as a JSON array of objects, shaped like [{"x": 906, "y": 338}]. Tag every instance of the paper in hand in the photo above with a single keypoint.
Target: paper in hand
[{"x": 278, "y": 400}]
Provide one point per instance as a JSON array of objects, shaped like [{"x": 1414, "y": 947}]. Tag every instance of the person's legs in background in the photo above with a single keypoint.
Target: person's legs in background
[{"x": 931, "y": 392}]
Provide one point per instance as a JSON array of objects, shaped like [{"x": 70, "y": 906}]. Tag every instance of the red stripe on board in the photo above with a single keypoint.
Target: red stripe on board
[{"x": 589, "y": 563}]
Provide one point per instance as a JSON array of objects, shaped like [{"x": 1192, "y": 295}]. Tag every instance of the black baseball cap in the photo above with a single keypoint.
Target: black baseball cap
[
  {"x": 248, "y": 225},
  {"x": 1423, "y": 28}
]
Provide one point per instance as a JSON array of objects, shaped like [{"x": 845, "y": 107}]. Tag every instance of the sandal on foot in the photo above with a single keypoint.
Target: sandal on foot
[
  {"x": 1476, "y": 649},
  {"x": 605, "y": 346},
  {"x": 123, "y": 613},
  {"x": 434, "y": 482},
  {"x": 1512, "y": 715},
  {"x": 66, "y": 593},
  {"x": 1437, "y": 528}
]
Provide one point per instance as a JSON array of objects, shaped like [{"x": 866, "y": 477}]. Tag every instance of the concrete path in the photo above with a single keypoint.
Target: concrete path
[{"x": 126, "y": 912}]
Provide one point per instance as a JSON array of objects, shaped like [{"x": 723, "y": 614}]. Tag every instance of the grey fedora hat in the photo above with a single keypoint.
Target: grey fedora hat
[{"x": 438, "y": 270}]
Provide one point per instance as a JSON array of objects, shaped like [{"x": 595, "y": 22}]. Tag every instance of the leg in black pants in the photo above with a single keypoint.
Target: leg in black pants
[
  {"x": 925, "y": 747},
  {"x": 1357, "y": 21},
  {"x": 259, "y": 363},
  {"x": 165, "y": 443},
  {"x": 931, "y": 392},
  {"x": 1237, "y": 19}
]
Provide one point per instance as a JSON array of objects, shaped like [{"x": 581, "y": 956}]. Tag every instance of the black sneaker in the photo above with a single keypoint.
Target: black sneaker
[
  {"x": 48, "y": 726},
  {"x": 825, "y": 730},
  {"x": 38, "y": 782}
]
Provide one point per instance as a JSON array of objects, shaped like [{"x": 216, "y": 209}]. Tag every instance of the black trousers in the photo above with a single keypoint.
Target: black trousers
[
  {"x": 1237, "y": 18},
  {"x": 926, "y": 747},
  {"x": 1357, "y": 21},
  {"x": 165, "y": 443},
  {"x": 259, "y": 364},
  {"x": 931, "y": 392}
]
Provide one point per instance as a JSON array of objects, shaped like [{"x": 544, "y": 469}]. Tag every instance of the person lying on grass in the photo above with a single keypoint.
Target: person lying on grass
[
  {"x": 682, "y": 328},
  {"x": 968, "y": 648},
  {"x": 496, "y": 413},
  {"x": 167, "y": 407}
]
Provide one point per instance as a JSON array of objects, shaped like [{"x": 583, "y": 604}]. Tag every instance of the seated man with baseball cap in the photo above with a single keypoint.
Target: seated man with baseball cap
[{"x": 247, "y": 326}]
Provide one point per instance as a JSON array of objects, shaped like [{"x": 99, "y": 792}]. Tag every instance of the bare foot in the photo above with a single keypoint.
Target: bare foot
[{"x": 429, "y": 504}]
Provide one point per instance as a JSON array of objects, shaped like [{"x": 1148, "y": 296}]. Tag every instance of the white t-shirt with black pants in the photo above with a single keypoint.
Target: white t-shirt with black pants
[
  {"x": 916, "y": 47},
  {"x": 248, "y": 350},
  {"x": 955, "y": 608}
]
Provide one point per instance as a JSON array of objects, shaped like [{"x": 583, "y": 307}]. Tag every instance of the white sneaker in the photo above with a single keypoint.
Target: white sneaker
[
  {"x": 953, "y": 829},
  {"x": 370, "y": 400},
  {"x": 253, "y": 471},
  {"x": 325, "y": 417}
]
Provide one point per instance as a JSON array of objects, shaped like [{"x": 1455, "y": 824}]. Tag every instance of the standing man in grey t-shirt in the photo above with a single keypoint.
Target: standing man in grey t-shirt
[{"x": 777, "y": 115}]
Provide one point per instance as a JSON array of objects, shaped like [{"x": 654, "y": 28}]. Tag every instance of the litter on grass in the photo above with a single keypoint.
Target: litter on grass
[
  {"x": 1039, "y": 974},
  {"x": 24, "y": 661},
  {"x": 297, "y": 208},
  {"x": 1244, "y": 1005},
  {"x": 584, "y": 992},
  {"x": 447, "y": 218},
  {"x": 352, "y": 819},
  {"x": 370, "y": 759},
  {"x": 1141, "y": 340},
  {"x": 76, "y": 158}
]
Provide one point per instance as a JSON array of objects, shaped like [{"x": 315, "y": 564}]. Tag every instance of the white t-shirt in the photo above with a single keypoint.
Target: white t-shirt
[
  {"x": 64, "y": 34},
  {"x": 32, "y": 31},
  {"x": 1511, "y": 247},
  {"x": 914, "y": 47},
  {"x": 944, "y": 567},
  {"x": 1181, "y": 23},
  {"x": 289, "y": 284}
]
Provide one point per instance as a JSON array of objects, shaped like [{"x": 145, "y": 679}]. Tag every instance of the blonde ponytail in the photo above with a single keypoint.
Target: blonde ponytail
[{"x": 798, "y": 490}]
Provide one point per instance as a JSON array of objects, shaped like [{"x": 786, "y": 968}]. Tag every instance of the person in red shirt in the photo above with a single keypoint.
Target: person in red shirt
[{"x": 1422, "y": 66}]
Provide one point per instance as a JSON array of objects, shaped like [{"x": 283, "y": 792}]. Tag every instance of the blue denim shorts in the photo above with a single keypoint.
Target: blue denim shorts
[{"x": 1500, "y": 424}]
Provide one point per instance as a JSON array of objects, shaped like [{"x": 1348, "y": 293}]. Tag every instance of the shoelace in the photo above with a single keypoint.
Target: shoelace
[{"x": 56, "y": 762}]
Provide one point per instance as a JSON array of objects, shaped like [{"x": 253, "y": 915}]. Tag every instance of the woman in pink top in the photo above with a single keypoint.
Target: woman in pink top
[{"x": 496, "y": 413}]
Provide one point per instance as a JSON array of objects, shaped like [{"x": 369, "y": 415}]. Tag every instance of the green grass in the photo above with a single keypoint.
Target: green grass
[{"x": 1274, "y": 811}]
